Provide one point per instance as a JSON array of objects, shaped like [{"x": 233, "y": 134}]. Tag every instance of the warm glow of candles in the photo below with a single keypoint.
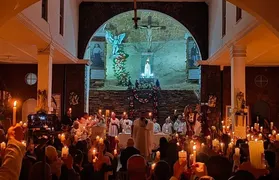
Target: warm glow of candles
[
  {"x": 59, "y": 136},
  {"x": 14, "y": 113},
  {"x": 271, "y": 125},
  {"x": 65, "y": 152},
  {"x": 182, "y": 156},
  {"x": 24, "y": 125},
  {"x": 178, "y": 144},
  {"x": 153, "y": 166},
  {"x": 260, "y": 136},
  {"x": 273, "y": 132},
  {"x": 158, "y": 155},
  {"x": 230, "y": 145},
  {"x": 261, "y": 129},
  {"x": 97, "y": 138},
  {"x": 116, "y": 138},
  {"x": 100, "y": 111},
  {"x": 94, "y": 151},
  {"x": 176, "y": 135},
  {"x": 70, "y": 110},
  {"x": 23, "y": 143},
  {"x": 3, "y": 145},
  {"x": 277, "y": 137},
  {"x": 256, "y": 150},
  {"x": 222, "y": 147},
  {"x": 150, "y": 114},
  {"x": 101, "y": 141},
  {"x": 115, "y": 152},
  {"x": 237, "y": 151},
  {"x": 194, "y": 154},
  {"x": 62, "y": 137},
  {"x": 124, "y": 113}
]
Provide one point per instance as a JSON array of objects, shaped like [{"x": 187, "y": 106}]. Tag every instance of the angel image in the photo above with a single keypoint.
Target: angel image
[{"x": 115, "y": 41}]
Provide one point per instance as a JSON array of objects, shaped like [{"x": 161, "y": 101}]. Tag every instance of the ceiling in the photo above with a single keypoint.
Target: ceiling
[{"x": 262, "y": 49}]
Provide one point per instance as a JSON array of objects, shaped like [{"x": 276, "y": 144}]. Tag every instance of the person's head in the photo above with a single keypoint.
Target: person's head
[
  {"x": 38, "y": 169},
  {"x": 113, "y": 115},
  {"x": 51, "y": 153},
  {"x": 130, "y": 142},
  {"x": 162, "y": 171},
  {"x": 76, "y": 125},
  {"x": 163, "y": 141},
  {"x": 215, "y": 163},
  {"x": 242, "y": 175},
  {"x": 168, "y": 120},
  {"x": 125, "y": 116},
  {"x": 154, "y": 120},
  {"x": 85, "y": 115},
  {"x": 179, "y": 117}
]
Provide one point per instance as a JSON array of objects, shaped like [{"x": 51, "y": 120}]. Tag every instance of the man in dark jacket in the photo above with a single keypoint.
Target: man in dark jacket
[{"x": 127, "y": 153}]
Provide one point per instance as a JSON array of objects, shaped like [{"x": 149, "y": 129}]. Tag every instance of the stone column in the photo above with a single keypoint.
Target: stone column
[
  {"x": 45, "y": 78},
  {"x": 238, "y": 57}
]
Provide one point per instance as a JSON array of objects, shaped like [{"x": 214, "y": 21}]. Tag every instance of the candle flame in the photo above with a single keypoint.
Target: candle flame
[
  {"x": 194, "y": 147},
  {"x": 15, "y": 102}
]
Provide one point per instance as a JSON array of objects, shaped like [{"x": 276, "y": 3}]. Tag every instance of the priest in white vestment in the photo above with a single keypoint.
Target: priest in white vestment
[
  {"x": 113, "y": 130},
  {"x": 167, "y": 126},
  {"x": 143, "y": 136},
  {"x": 126, "y": 124},
  {"x": 157, "y": 127}
]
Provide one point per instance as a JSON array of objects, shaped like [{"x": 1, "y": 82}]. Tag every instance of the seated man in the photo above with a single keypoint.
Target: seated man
[
  {"x": 167, "y": 126},
  {"x": 156, "y": 127},
  {"x": 127, "y": 153}
]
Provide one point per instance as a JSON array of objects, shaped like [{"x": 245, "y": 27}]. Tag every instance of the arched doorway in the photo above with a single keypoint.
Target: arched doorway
[
  {"x": 261, "y": 110},
  {"x": 162, "y": 42}
]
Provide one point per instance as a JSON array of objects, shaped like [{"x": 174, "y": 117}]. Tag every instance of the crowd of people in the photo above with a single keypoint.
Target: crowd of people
[{"x": 74, "y": 154}]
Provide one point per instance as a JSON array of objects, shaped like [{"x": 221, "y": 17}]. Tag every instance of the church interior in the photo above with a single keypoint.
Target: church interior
[{"x": 199, "y": 73}]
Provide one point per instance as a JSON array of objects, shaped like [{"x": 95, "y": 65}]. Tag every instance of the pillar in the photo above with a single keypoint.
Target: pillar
[
  {"x": 45, "y": 78},
  {"x": 238, "y": 58}
]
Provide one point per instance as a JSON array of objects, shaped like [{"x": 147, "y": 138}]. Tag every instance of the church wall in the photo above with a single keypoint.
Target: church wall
[
  {"x": 233, "y": 28},
  {"x": 168, "y": 63},
  {"x": 13, "y": 76},
  {"x": 194, "y": 16},
  {"x": 118, "y": 102},
  {"x": 71, "y": 9},
  {"x": 268, "y": 94}
]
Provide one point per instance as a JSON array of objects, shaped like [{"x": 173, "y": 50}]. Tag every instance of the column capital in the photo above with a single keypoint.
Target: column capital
[
  {"x": 49, "y": 50},
  {"x": 238, "y": 51}
]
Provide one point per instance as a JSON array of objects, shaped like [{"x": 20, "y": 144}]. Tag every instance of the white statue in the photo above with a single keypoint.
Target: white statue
[
  {"x": 115, "y": 41},
  {"x": 147, "y": 69},
  {"x": 149, "y": 29}
]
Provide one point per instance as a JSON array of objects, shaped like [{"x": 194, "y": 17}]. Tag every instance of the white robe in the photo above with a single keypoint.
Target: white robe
[
  {"x": 143, "y": 137},
  {"x": 126, "y": 126},
  {"x": 113, "y": 129},
  {"x": 167, "y": 128},
  {"x": 157, "y": 128}
]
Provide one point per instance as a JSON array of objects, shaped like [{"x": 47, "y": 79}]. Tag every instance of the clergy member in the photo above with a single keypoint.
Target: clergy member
[
  {"x": 167, "y": 126},
  {"x": 114, "y": 125},
  {"x": 157, "y": 127},
  {"x": 179, "y": 125},
  {"x": 143, "y": 136},
  {"x": 126, "y": 124}
]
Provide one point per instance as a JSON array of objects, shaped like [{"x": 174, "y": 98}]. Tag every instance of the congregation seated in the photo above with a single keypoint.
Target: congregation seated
[{"x": 127, "y": 153}]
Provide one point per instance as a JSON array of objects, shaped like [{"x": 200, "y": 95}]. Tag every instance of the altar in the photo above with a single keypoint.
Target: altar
[{"x": 123, "y": 138}]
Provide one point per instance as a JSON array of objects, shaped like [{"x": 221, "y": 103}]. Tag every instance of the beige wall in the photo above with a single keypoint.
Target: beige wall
[
  {"x": 51, "y": 28},
  {"x": 233, "y": 28}
]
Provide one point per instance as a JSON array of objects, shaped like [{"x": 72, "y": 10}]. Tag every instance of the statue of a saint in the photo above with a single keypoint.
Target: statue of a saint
[
  {"x": 115, "y": 41},
  {"x": 240, "y": 102},
  {"x": 147, "y": 69}
]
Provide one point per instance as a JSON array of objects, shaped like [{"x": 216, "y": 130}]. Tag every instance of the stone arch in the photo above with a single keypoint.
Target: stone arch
[
  {"x": 93, "y": 17},
  {"x": 267, "y": 13}
]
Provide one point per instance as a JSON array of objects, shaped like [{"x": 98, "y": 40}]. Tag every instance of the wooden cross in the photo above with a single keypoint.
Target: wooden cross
[{"x": 136, "y": 18}]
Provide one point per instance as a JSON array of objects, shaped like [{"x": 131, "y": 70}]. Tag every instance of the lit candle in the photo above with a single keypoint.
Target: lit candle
[
  {"x": 176, "y": 135},
  {"x": 65, "y": 151},
  {"x": 228, "y": 128},
  {"x": 158, "y": 155},
  {"x": 252, "y": 138},
  {"x": 76, "y": 138},
  {"x": 21, "y": 123},
  {"x": 101, "y": 141},
  {"x": 252, "y": 129},
  {"x": 222, "y": 147},
  {"x": 208, "y": 140},
  {"x": 115, "y": 152},
  {"x": 230, "y": 145},
  {"x": 23, "y": 143},
  {"x": 256, "y": 149},
  {"x": 277, "y": 137},
  {"x": 124, "y": 113},
  {"x": 14, "y": 113},
  {"x": 269, "y": 135},
  {"x": 94, "y": 152},
  {"x": 237, "y": 151},
  {"x": 261, "y": 129},
  {"x": 273, "y": 132},
  {"x": 153, "y": 166},
  {"x": 175, "y": 111},
  {"x": 100, "y": 111},
  {"x": 191, "y": 157},
  {"x": 97, "y": 138},
  {"x": 182, "y": 156},
  {"x": 24, "y": 125},
  {"x": 116, "y": 138},
  {"x": 222, "y": 122},
  {"x": 150, "y": 114},
  {"x": 261, "y": 136},
  {"x": 215, "y": 143},
  {"x": 3, "y": 145},
  {"x": 248, "y": 137},
  {"x": 224, "y": 129},
  {"x": 194, "y": 154},
  {"x": 62, "y": 137},
  {"x": 178, "y": 144},
  {"x": 59, "y": 136},
  {"x": 202, "y": 146},
  {"x": 70, "y": 110},
  {"x": 271, "y": 125}
]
